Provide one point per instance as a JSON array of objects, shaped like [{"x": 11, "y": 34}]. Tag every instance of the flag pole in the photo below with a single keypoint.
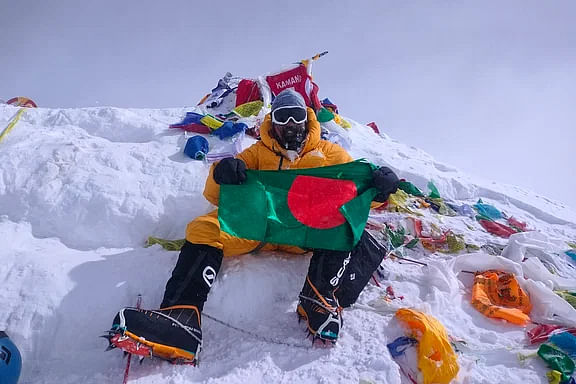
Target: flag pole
[{"x": 308, "y": 62}]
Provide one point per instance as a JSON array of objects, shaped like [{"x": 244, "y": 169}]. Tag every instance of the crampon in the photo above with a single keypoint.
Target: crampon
[
  {"x": 319, "y": 339},
  {"x": 142, "y": 348},
  {"x": 171, "y": 334}
]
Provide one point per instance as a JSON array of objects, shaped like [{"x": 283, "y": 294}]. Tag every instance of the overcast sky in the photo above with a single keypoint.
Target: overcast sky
[{"x": 488, "y": 86}]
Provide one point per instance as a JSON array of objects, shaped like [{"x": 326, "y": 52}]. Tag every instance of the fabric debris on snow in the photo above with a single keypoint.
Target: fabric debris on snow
[
  {"x": 455, "y": 243},
  {"x": 492, "y": 249},
  {"x": 404, "y": 352},
  {"x": 497, "y": 229},
  {"x": 169, "y": 245},
  {"x": 440, "y": 206},
  {"x": 400, "y": 202},
  {"x": 196, "y": 147},
  {"x": 326, "y": 103},
  {"x": 487, "y": 211},
  {"x": 196, "y": 128},
  {"x": 462, "y": 209},
  {"x": 570, "y": 297},
  {"x": 498, "y": 295},
  {"x": 374, "y": 127},
  {"x": 434, "y": 194},
  {"x": 397, "y": 347},
  {"x": 554, "y": 377},
  {"x": 248, "y": 91},
  {"x": 224, "y": 94},
  {"x": 324, "y": 115},
  {"x": 542, "y": 332},
  {"x": 409, "y": 188},
  {"x": 249, "y": 109},
  {"x": 437, "y": 361},
  {"x": 516, "y": 224},
  {"x": 566, "y": 342},
  {"x": 557, "y": 360},
  {"x": 433, "y": 239},
  {"x": 211, "y": 121},
  {"x": 229, "y": 129},
  {"x": 191, "y": 119}
]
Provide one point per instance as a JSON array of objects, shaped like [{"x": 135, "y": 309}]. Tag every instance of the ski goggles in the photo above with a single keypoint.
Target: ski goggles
[{"x": 283, "y": 115}]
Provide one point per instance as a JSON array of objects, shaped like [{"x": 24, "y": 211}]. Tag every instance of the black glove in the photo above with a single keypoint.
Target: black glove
[
  {"x": 230, "y": 171},
  {"x": 386, "y": 181}
]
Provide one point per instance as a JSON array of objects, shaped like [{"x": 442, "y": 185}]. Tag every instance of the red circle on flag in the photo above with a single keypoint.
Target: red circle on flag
[{"x": 315, "y": 201}]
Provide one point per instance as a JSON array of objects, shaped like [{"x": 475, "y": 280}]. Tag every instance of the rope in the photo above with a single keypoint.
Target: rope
[
  {"x": 255, "y": 335},
  {"x": 12, "y": 123}
]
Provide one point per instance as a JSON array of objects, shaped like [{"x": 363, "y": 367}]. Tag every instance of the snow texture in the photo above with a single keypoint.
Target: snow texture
[{"x": 82, "y": 189}]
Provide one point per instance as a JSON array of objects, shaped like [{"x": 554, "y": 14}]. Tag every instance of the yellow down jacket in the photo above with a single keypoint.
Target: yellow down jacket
[{"x": 266, "y": 154}]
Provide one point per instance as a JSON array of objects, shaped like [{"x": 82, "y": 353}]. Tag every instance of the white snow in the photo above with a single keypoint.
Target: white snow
[{"x": 82, "y": 189}]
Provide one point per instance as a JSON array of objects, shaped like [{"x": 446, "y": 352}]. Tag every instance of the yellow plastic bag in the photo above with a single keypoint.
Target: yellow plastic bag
[{"x": 436, "y": 358}]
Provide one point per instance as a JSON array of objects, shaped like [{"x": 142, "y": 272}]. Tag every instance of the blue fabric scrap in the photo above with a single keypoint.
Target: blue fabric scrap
[
  {"x": 229, "y": 129},
  {"x": 566, "y": 342},
  {"x": 487, "y": 210},
  {"x": 398, "y": 346}
]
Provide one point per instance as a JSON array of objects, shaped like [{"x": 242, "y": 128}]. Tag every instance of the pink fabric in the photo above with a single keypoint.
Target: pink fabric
[
  {"x": 193, "y": 127},
  {"x": 518, "y": 224},
  {"x": 542, "y": 332}
]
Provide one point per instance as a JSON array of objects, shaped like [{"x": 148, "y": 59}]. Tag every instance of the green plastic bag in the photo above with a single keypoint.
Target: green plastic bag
[{"x": 557, "y": 360}]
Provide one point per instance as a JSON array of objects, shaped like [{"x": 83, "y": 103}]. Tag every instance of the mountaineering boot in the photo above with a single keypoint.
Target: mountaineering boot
[
  {"x": 364, "y": 261},
  {"x": 321, "y": 313},
  {"x": 173, "y": 332},
  {"x": 318, "y": 306}
]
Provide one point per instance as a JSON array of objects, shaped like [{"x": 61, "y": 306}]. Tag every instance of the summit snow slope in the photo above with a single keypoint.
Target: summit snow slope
[{"x": 82, "y": 189}]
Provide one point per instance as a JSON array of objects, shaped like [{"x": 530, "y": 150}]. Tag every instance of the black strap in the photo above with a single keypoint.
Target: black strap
[{"x": 259, "y": 247}]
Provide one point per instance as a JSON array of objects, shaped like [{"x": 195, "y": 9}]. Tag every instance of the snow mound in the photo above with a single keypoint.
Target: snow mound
[{"x": 82, "y": 189}]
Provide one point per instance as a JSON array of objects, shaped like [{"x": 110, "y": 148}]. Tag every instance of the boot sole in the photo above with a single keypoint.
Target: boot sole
[{"x": 139, "y": 346}]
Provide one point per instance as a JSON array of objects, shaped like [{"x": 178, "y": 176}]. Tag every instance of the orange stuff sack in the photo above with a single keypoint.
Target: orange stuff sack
[
  {"x": 498, "y": 295},
  {"x": 436, "y": 359}
]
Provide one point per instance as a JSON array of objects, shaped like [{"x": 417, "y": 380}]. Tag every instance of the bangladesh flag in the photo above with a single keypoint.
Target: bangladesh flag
[{"x": 324, "y": 208}]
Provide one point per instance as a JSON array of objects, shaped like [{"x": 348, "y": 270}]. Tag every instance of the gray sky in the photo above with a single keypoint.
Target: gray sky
[{"x": 488, "y": 86}]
